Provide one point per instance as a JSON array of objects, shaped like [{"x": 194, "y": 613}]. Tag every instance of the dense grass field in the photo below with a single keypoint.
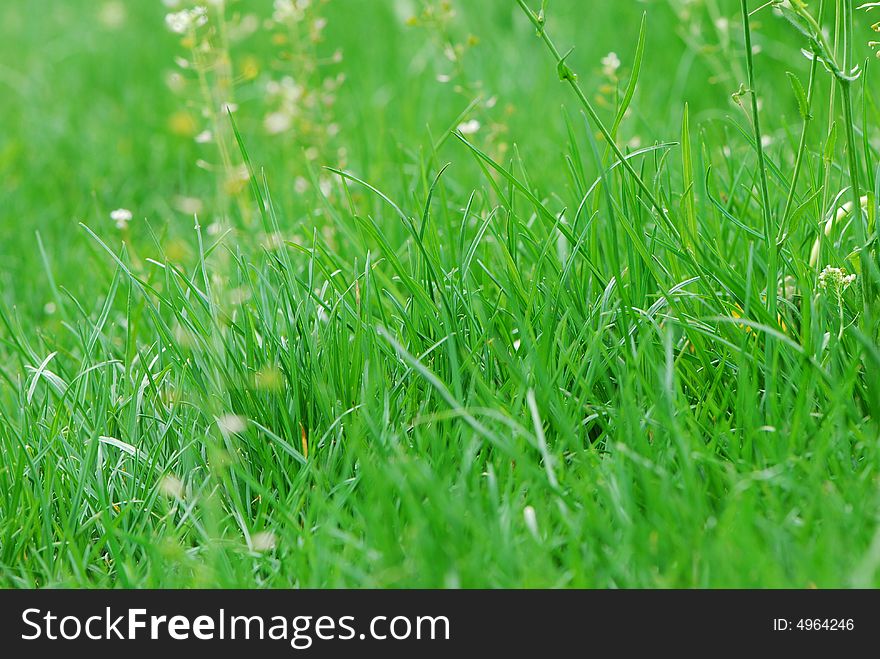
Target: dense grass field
[{"x": 402, "y": 293}]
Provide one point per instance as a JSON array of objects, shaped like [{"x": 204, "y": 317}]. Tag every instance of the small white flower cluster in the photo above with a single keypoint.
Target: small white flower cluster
[
  {"x": 121, "y": 216},
  {"x": 835, "y": 279},
  {"x": 287, "y": 93},
  {"x": 469, "y": 127},
  {"x": 610, "y": 65},
  {"x": 186, "y": 20},
  {"x": 299, "y": 107},
  {"x": 290, "y": 10}
]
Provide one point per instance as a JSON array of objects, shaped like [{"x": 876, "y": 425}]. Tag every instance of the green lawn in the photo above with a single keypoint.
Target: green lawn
[{"x": 395, "y": 293}]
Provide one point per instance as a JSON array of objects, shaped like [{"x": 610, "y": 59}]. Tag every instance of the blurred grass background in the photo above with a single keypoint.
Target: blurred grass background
[{"x": 87, "y": 116}]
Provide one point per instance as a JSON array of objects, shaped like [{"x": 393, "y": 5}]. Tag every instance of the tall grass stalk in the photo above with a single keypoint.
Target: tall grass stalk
[{"x": 770, "y": 231}]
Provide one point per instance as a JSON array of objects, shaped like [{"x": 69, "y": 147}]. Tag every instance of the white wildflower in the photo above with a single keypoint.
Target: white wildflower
[
  {"x": 204, "y": 137},
  {"x": 246, "y": 26},
  {"x": 287, "y": 89},
  {"x": 185, "y": 20},
  {"x": 835, "y": 279},
  {"x": 290, "y": 10},
  {"x": 240, "y": 174},
  {"x": 121, "y": 216},
  {"x": 175, "y": 81},
  {"x": 469, "y": 127},
  {"x": 610, "y": 64},
  {"x": 188, "y": 205},
  {"x": 276, "y": 123}
]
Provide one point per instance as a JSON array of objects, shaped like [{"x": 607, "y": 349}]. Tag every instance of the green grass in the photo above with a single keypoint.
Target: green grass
[{"x": 587, "y": 341}]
